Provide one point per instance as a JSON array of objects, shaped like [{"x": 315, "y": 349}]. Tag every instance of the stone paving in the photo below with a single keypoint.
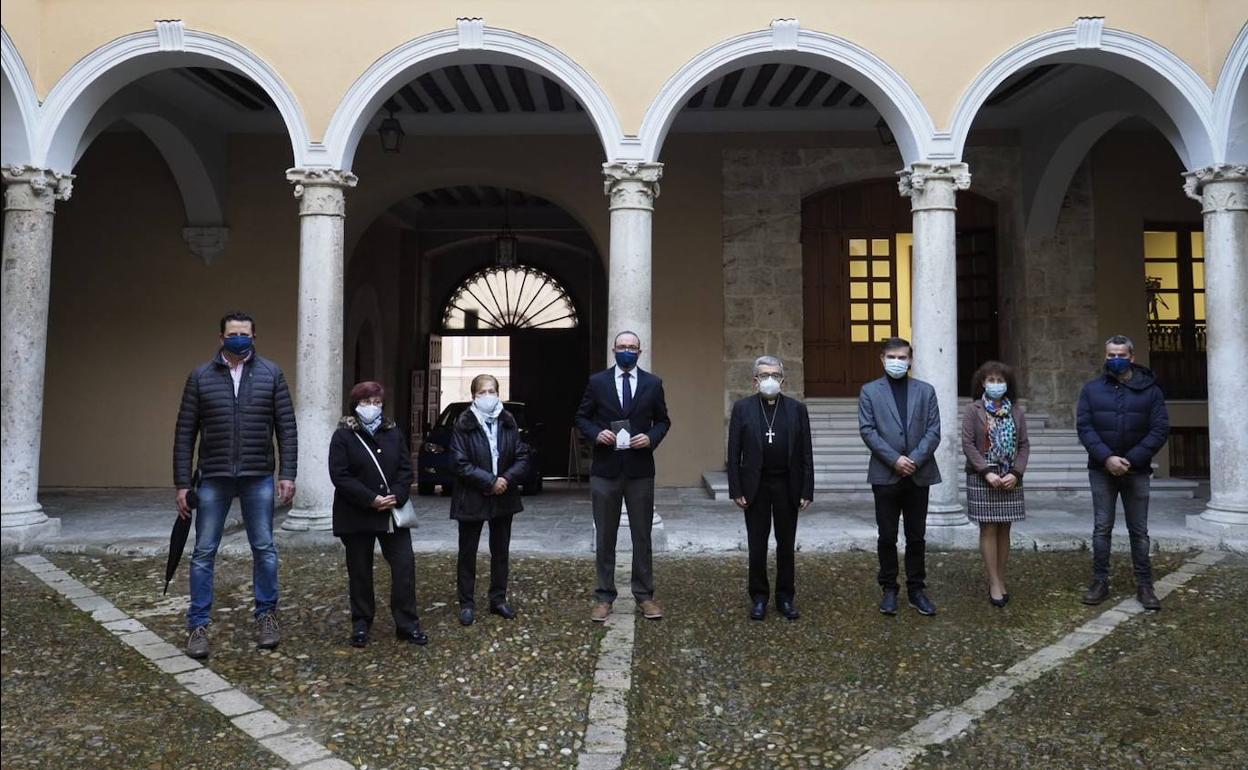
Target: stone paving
[{"x": 708, "y": 689}]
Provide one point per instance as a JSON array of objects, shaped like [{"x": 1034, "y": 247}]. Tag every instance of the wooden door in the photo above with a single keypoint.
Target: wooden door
[
  {"x": 849, "y": 293},
  {"x": 851, "y": 290}
]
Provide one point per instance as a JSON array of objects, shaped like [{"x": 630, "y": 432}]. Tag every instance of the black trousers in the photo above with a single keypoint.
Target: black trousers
[
  {"x": 396, "y": 548},
  {"x": 772, "y": 503},
  {"x": 907, "y": 501},
  {"x": 500, "y": 550},
  {"x": 607, "y": 496}
]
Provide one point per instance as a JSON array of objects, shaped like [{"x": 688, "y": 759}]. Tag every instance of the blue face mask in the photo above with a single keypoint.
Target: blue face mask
[
  {"x": 1117, "y": 366},
  {"x": 239, "y": 346},
  {"x": 995, "y": 390},
  {"x": 626, "y": 359},
  {"x": 895, "y": 368}
]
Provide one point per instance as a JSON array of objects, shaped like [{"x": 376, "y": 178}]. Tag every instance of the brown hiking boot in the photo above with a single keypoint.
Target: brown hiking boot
[
  {"x": 197, "y": 643},
  {"x": 650, "y": 609},
  {"x": 267, "y": 633},
  {"x": 600, "y": 612}
]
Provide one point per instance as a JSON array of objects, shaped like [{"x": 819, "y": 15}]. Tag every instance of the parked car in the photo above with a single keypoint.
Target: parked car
[{"x": 433, "y": 466}]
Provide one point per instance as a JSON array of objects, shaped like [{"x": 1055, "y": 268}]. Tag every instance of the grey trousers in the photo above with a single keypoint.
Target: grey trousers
[{"x": 607, "y": 495}]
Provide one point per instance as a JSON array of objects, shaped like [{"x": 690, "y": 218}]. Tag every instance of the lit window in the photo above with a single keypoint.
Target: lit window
[{"x": 509, "y": 298}]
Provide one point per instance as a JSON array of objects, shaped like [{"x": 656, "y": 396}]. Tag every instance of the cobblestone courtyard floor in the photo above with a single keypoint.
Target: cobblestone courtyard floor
[{"x": 708, "y": 688}]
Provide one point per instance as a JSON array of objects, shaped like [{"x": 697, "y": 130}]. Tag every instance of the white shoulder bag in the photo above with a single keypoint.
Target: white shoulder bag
[{"x": 405, "y": 514}]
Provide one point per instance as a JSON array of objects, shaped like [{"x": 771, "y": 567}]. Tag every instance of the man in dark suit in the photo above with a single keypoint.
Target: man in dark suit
[
  {"x": 771, "y": 475},
  {"x": 899, "y": 421},
  {"x": 618, "y": 400}
]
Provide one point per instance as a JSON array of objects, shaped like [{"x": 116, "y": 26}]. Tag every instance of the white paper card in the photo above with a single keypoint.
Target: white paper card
[{"x": 621, "y": 439}]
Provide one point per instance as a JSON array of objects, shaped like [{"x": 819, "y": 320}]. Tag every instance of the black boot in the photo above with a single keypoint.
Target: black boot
[
  {"x": 1097, "y": 592},
  {"x": 1147, "y": 597}
]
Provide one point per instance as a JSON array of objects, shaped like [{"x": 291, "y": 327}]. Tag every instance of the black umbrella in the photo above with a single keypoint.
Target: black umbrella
[{"x": 181, "y": 530}]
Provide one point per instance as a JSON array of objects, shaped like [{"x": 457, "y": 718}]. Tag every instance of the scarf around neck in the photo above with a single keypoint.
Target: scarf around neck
[{"x": 1002, "y": 434}]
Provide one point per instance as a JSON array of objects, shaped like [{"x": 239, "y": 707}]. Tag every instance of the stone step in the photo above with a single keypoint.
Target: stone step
[
  {"x": 844, "y": 411},
  {"x": 854, "y": 485}
]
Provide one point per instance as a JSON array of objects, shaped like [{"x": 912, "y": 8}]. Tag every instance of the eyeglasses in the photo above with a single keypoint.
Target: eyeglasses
[
  {"x": 628, "y": 348},
  {"x": 237, "y": 334},
  {"x": 770, "y": 376}
]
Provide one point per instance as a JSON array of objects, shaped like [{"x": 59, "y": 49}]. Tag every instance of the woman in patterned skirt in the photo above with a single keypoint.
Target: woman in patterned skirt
[{"x": 994, "y": 441}]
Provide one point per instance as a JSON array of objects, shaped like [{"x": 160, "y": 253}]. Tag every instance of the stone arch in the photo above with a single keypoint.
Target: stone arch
[
  {"x": 1176, "y": 87},
  {"x": 74, "y": 100},
  {"x": 470, "y": 42},
  {"x": 1231, "y": 102},
  {"x": 20, "y": 106},
  {"x": 785, "y": 42}
]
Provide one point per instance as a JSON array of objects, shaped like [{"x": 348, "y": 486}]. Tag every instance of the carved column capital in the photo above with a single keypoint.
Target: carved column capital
[
  {"x": 1220, "y": 187},
  {"x": 321, "y": 191},
  {"x": 933, "y": 185},
  {"x": 632, "y": 185},
  {"x": 35, "y": 189}
]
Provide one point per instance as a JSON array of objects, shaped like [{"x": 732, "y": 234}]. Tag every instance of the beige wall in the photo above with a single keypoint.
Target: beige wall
[
  {"x": 132, "y": 311},
  {"x": 630, "y": 48}
]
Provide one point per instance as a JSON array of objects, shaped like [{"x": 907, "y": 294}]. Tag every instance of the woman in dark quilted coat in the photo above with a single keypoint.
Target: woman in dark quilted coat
[
  {"x": 371, "y": 468},
  {"x": 490, "y": 461}
]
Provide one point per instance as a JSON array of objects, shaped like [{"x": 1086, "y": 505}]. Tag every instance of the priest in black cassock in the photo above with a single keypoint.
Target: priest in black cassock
[{"x": 771, "y": 475}]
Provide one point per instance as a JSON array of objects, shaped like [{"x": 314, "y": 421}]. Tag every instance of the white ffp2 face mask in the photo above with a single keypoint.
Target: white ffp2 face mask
[
  {"x": 769, "y": 387},
  {"x": 368, "y": 412},
  {"x": 485, "y": 404}
]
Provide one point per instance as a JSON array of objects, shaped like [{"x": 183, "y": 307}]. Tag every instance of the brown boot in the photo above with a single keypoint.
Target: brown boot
[
  {"x": 600, "y": 612},
  {"x": 650, "y": 609}
]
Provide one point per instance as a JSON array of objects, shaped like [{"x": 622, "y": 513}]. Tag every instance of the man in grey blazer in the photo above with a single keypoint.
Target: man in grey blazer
[{"x": 900, "y": 423}]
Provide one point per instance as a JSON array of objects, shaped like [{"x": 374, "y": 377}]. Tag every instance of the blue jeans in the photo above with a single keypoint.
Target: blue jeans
[
  {"x": 1133, "y": 489},
  {"x": 255, "y": 494}
]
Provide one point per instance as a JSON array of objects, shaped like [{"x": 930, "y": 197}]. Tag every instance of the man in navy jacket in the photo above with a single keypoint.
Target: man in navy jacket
[
  {"x": 1122, "y": 421},
  {"x": 623, "y": 398}
]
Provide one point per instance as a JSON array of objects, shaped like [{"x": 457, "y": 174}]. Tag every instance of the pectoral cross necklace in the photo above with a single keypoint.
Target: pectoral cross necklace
[{"x": 770, "y": 433}]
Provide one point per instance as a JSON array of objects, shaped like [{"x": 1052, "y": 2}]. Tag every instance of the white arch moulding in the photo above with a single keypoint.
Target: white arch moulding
[
  {"x": 20, "y": 106},
  {"x": 786, "y": 42},
  {"x": 471, "y": 42},
  {"x": 76, "y": 97},
  {"x": 1176, "y": 87},
  {"x": 1230, "y": 102}
]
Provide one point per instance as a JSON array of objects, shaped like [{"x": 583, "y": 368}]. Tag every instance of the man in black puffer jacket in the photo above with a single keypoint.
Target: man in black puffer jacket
[
  {"x": 1122, "y": 421},
  {"x": 235, "y": 404}
]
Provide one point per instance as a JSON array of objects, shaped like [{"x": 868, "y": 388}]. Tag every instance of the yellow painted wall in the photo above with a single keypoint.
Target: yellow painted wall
[{"x": 631, "y": 48}]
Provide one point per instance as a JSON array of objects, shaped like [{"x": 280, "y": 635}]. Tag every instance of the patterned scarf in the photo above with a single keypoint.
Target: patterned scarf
[{"x": 1002, "y": 434}]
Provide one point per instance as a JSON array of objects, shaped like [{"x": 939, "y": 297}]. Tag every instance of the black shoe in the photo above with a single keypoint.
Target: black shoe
[
  {"x": 412, "y": 636},
  {"x": 758, "y": 611},
  {"x": 503, "y": 610},
  {"x": 920, "y": 602},
  {"x": 467, "y": 616},
  {"x": 359, "y": 637},
  {"x": 997, "y": 602},
  {"x": 1005, "y": 597},
  {"x": 788, "y": 610},
  {"x": 888, "y": 605},
  {"x": 1147, "y": 598},
  {"x": 1096, "y": 593}
]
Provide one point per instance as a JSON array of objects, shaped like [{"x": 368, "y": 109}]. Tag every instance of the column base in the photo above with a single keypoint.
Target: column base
[
  {"x": 946, "y": 515},
  {"x": 307, "y": 520},
  {"x": 16, "y": 537},
  {"x": 1229, "y": 527}
]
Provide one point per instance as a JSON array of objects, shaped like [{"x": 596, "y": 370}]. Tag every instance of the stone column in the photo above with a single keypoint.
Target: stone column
[
  {"x": 932, "y": 190},
  {"x": 631, "y": 189},
  {"x": 318, "y": 402},
  {"x": 30, "y": 197},
  {"x": 1223, "y": 194}
]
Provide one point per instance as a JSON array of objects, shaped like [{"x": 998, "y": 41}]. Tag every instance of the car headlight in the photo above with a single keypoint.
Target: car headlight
[{"x": 433, "y": 448}]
